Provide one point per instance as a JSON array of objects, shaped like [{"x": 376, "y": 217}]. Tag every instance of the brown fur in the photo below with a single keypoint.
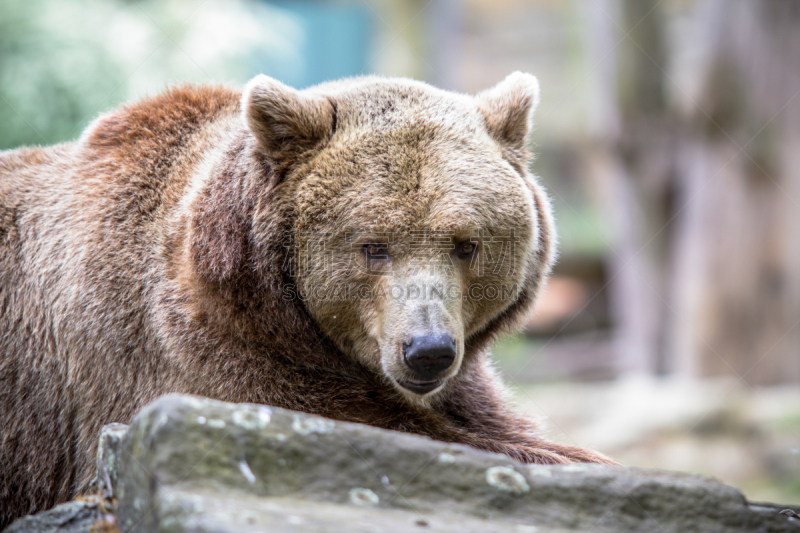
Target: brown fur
[{"x": 151, "y": 256}]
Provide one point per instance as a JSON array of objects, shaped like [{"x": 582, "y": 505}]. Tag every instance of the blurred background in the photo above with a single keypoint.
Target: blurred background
[{"x": 668, "y": 136}]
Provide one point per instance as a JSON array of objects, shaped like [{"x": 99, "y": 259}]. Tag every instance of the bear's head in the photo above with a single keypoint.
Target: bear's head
[{"x": 417, "y": 232}]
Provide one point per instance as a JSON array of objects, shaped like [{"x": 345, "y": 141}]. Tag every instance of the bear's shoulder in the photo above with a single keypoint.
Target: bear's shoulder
[{"x": 165, "y": 119}]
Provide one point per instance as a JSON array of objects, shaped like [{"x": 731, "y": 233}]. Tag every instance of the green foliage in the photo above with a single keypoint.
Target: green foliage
[
  {"x": 63, "y": 63},
  {"x": 52, "y": 75}
]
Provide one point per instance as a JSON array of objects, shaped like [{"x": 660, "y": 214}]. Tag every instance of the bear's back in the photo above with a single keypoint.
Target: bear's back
[{"x": 81, "y": 229}]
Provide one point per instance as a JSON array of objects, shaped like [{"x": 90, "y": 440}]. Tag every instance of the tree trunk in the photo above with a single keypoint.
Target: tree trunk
[{"x": 705, "y": 186}]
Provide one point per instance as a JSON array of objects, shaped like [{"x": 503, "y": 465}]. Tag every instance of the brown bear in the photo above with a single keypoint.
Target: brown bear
[{"x": 349, "y": 250}]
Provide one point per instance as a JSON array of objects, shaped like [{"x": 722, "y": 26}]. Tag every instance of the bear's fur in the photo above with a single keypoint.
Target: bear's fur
[{"x": 166, "y": 251}]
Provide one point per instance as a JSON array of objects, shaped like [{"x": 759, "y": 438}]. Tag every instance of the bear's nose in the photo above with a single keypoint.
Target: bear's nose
[{"x": 429, "y": 355}]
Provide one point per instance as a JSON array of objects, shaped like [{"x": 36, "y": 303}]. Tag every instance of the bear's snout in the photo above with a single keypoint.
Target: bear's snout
[{"x": 428, "y": 356}]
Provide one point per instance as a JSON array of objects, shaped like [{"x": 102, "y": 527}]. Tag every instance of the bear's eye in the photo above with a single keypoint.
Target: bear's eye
[
  {"x": 376, "y": 250},
  {"x": 465, "y": 250}
]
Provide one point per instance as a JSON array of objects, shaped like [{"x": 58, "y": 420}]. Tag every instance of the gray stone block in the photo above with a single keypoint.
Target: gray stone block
[
  {"x": 79, "y": 516},
  {"x": 192, "y": 464}
]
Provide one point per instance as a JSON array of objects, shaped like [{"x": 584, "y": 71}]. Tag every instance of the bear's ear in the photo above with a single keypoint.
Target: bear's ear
[
  {"x": 508, "y": 108},
  {"x": 286, "y": 122}
]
